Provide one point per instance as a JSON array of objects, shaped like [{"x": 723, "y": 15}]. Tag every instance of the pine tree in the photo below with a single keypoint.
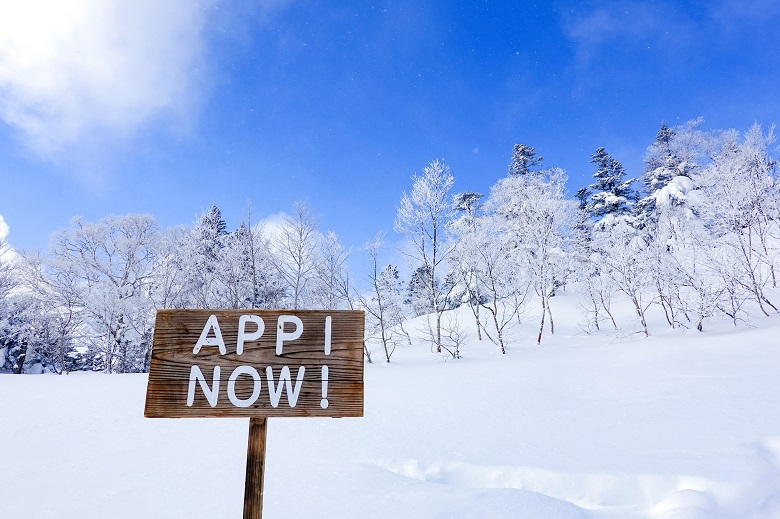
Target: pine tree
[
  {"x": 674, "y": 153},
  {"x": 211, "y": 230},
  {"x": 582, "y": 196},
  {"x": 467, "y": 202},
  {"x": 418, "y": 291},
  {"x": 523, "y": 158},
  {"x": 611, "y": 193}
]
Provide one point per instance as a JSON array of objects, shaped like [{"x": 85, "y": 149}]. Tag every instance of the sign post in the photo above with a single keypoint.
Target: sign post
[
  {"x": 256, "y": 364},
  {"x": 255, "y": 469}
]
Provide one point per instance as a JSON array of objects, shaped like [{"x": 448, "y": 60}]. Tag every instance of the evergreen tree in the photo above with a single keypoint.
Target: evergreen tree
[
  {"x": 582, "y": 196},
  {"x": 674, "y": 153},
  {"x": 418, "y": 291},
  {"x": 467, "y": 202},
  {"x": 523, "y": 158},
  {"x": 211, "y": 232},
  {"x": 204, "y": 254},
  {"x": 611, "y": 193}
]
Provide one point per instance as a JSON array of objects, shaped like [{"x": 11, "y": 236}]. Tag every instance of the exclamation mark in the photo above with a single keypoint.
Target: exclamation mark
[{"x": 324, "y": 401}]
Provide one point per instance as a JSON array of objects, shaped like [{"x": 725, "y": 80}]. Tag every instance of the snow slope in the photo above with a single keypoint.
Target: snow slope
[{"x": 681, "y": 425}]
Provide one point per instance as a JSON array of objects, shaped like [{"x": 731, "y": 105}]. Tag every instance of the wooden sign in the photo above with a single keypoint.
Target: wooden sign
[{"x": 256, "y": 363}]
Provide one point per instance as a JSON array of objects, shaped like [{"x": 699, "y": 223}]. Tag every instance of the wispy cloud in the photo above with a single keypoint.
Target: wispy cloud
[
  {"x": 98, "y": 69},
  {"x": 608, "y": 24}
]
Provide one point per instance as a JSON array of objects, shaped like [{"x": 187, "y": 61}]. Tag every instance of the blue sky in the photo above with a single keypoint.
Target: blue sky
[{"x": 167, "y": 107}]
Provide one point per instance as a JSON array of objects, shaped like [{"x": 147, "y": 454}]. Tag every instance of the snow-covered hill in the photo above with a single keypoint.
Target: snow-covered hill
[{"x": 681, "y": 425}]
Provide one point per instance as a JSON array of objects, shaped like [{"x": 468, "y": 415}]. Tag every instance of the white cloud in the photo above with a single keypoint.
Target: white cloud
[
  {"x": 95, "y": 69},
  {"x": 272, "y": 224},
  {"x": 3, "y": 229}
]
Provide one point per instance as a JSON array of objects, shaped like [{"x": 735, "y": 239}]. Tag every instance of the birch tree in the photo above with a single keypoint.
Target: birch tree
[
  {"x": 540, "y": 219},
  {"x": 422, "y": 218},
  {"x": 296, "y": 247}
]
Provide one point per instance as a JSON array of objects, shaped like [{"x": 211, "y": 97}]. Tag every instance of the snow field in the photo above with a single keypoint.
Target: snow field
[{"x": 682, "y": 425}]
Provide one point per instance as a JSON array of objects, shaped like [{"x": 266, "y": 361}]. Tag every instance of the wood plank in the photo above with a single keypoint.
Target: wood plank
[{"x": 172, "y": 378}]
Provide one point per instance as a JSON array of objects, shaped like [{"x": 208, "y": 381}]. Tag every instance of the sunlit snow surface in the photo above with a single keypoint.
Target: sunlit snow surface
[{"x": 681, "y": 425}]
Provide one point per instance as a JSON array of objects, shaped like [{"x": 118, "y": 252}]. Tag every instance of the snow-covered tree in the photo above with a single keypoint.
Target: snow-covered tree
[
  {"x": 523, "y": 159},
  {"x": 332, "y": 284},
  {"x": 669, "y": 162},
  {"x": 268, "y": 288},
  {"x": 203, "y": 254},
  {"x": 170, "y": 283},
  {"x": 418, "y": 289},
  {"x": 737, "y": 193},
  {"x": 463, "y": 229},
  {"x": 611, "y": 192},
  {"x": 384, "y": 312},
  {"x": 112, "y": 260},
  {"x": 55, "y": 296},
  {"x": 296, "y": 248},
  {"x": 422, "y": 218},
  {"x": 234, "y": 287},
  {"x": 500, "y": 282},
  {"x": 623, "y": 256},
  {"x": 540, "y": 219}
]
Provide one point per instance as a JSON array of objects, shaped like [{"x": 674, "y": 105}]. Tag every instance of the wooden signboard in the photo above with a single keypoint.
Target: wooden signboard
[{"x": 256, "y": 364}]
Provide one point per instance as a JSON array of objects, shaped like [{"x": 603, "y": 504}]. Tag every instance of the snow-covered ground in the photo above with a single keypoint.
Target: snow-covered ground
[{"x": 681, "y": 425}]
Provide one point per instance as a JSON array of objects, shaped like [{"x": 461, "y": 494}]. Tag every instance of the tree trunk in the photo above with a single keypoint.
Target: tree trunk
[
  {"x": 641, "y": 315},
  {"x": 475, "y": 310},
  {"x": 541, "y": 326},
  {"x": 500, "y": 335},
  {"x": 438, "y": 331},
  {"x": 367, "y": 352},
  {"x": 552, "y": 323}
]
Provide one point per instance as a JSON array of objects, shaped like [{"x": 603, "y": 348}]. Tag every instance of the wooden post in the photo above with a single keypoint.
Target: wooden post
[{"x": 255, "y": 467}]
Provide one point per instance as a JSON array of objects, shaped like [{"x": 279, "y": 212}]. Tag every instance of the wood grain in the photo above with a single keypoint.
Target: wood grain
[
  {"x": 177, "y": 332},
  {"x": 255, "y": 469}
]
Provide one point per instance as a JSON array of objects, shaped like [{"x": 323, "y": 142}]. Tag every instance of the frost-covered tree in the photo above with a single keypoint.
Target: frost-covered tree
[
  {"x": 54, "y": 298},
  {"x": 418, "y": 289},
  {"x": 610, "y": 193},
  {"x": 464, "y": 270},
  {"x": 296, "y": 248},
  {"x": 675, "y": 154},
  {"x": 170, "y": 283},
  {"x": 112, "y": 259},
  {"x": 332, "y": 284},
  {"x": 666, "y": 216},
  {"x": 501, "y": 284},
  {"x": 523, "y": 159},
  {"x": 623, "y": 256},
  {"x": 737, "y": 193},
  {"x": 203, "y": 254},
  {"x": 268, "y": 288},
  {"x": 540, "y": 219},
  {"x": 384, "y": 312},
  {"x": 234, "y": 287},
  {"x": 422, "y": 217}
]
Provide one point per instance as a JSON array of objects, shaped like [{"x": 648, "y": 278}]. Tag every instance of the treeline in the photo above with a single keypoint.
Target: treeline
[
  {"x": 89, "y": 304},
  {"x": 696, "y": 235}
]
